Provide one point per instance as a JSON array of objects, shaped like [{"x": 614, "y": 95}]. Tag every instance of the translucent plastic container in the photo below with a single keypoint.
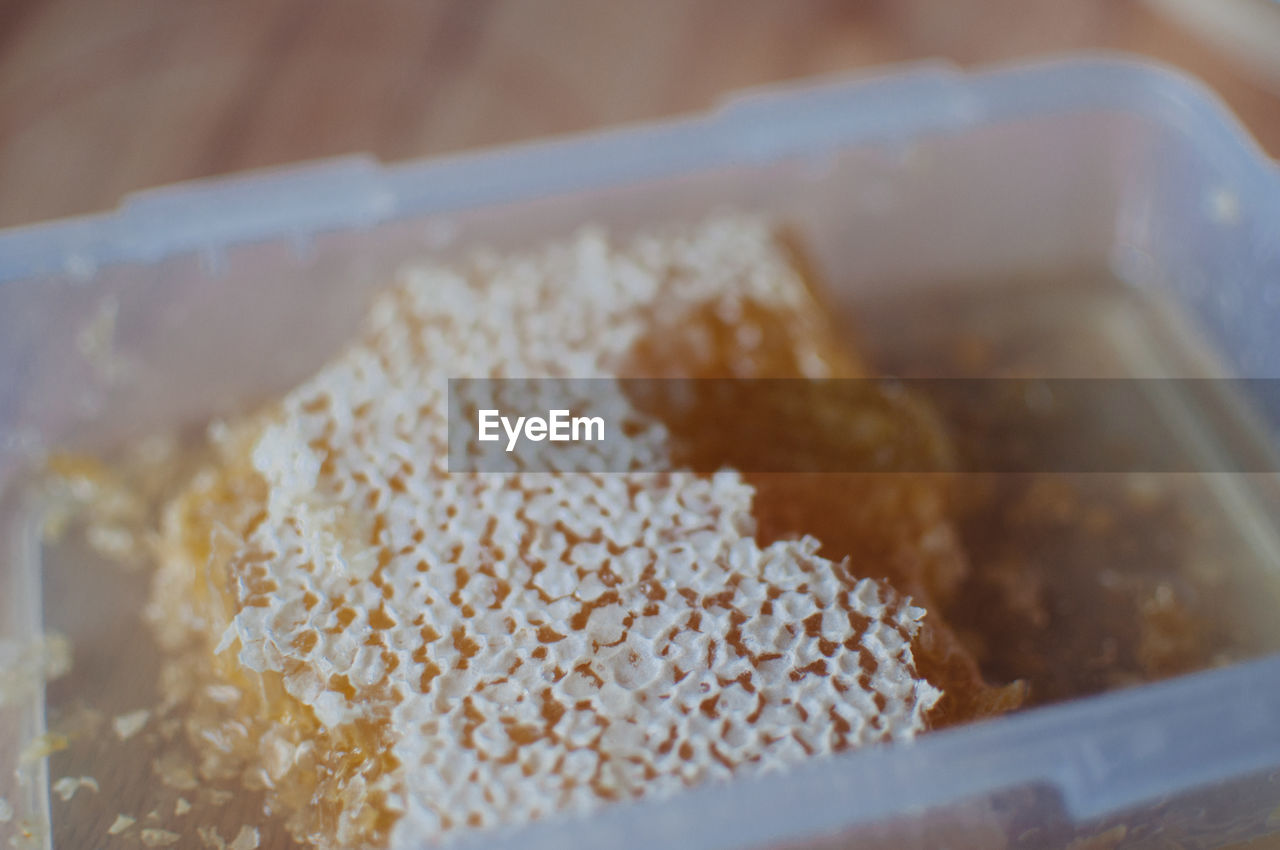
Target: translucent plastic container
[{"x": 197, "y": 300}]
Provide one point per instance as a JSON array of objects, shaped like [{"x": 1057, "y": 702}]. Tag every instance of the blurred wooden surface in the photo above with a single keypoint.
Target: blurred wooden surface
[{"x": 99, "y": 98}]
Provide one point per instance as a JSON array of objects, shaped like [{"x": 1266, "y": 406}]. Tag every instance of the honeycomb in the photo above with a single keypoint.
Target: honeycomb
[{"x": 415, "y": 653}]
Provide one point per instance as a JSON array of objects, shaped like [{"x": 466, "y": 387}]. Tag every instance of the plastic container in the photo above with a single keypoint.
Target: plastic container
[{"x": 195, "y": 300}]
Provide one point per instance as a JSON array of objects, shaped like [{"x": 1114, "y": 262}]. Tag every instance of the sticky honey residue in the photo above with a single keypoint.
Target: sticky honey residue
[{"x": 27, "y": 834}]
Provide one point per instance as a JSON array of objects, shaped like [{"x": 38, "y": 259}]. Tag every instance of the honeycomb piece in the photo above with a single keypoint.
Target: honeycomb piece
[
  {"x": 897, "y": 527},
  {"x": 419, "y": 653}
]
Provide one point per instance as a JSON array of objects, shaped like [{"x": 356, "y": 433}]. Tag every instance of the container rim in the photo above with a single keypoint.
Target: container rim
[
  {"x": 753, "y": 126},
  {"x": 1101, "y": 754}
]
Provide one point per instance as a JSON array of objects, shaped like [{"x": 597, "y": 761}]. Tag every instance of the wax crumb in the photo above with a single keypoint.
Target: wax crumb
[
  {"x": 128, "y": 725},
  {"x": 226, "y": 694},
  {"x": 67, "y": 786},
  {"x": 42, "y": 746},
  {"x": 181, "y": 807},
  {"x": 211, "y": 838},
  {"x": 159, "y": 837},
  {"x": 122, "y": 822},
  {"x": 56, "y": 656},
  {"x": 219, "y": 798},
  {"x": 114, "y": 542},
  {"x": 96, "y": 342},
  {"x": 25, "y": 666},
  {"x": 175, "y": 772},
  {"x": 246, "y": 839}
]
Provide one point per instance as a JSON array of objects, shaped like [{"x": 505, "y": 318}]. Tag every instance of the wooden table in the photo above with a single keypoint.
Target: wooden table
[{"x": 99, "y": 98}]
